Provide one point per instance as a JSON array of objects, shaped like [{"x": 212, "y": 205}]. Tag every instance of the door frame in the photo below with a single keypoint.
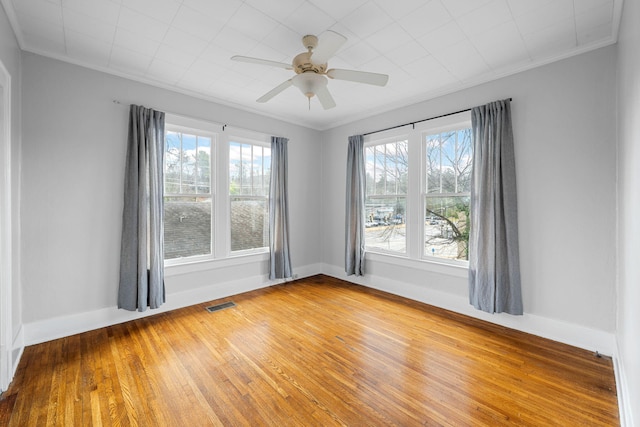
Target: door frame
[{"x": 6, "y": 236}]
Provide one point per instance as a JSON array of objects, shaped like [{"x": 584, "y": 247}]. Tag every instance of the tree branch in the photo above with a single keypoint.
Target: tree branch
[{"x": 456, "y": 231}]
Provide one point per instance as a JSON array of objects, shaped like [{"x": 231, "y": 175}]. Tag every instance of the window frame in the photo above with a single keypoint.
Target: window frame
[
  {"x": 255, "y": 139},
  {"x": 213, "y": 136},
  {"x": 435, "y": 130},
  {"x": 221, "y": 253},
  {"x": 373, "y": 142},
  {"x": 416, "y": 187}
]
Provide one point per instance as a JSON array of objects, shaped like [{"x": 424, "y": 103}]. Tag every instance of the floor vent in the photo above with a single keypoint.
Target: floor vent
[{"x": 218, "y": 307}]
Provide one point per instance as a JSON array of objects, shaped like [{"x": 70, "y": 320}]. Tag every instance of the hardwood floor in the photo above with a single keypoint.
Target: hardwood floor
[{"x": 317, "y": 351}]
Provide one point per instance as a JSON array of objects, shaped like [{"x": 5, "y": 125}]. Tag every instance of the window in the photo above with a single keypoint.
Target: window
[
  {"x": 249, "y": 173},
  {"x": 386, "y": 195},
  {"x": 447, "y": 184},
  {"x": 188, "y": 193},
  {"x": 216, "y": 191},
  {"x": 417, "y": 193}
]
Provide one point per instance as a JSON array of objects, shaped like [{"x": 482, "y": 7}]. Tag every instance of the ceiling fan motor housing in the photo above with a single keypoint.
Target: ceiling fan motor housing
[{"x": 302, "y": 63}]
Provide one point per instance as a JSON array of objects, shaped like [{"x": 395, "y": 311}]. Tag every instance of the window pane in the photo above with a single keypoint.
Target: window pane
[
  {"x": 262, "y": 170},
  {"x": 203, "y": 178},
  {"x": 386, "y": 167},
  {"x": 249, "y": 223},
  {"x": 246, "y": 177},
  {"x": 448, "y": 162},
  {"x": 249, "y": 169},
  {"x": 188, "y": 164},
  {"x": 385, "y": 224},
  {"x": 446, "y": 227},
  {"x": 187, "y": 227},
  {"x": 172, "y": 171}
]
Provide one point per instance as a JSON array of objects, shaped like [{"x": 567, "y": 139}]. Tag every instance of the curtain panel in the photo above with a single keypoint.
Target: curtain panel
[
  {"x": 354, "y": 222},
  {"x": 494, "y": 265},
  {"x": 142, "y": 245},
  {"x": 279, "y": 257}
]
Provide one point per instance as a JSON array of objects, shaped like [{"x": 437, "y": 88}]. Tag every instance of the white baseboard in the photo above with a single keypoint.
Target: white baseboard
[
  {"x": 17, "y": 347},
  {"x": 14, "y": 353},
  {"x": 624, "y": 405},
  {"x": 556, "y": 330},
  {"x": 59, "y": 327},
  {"x": 568, "y": 333},
  {"x": 306, "y": 271}
]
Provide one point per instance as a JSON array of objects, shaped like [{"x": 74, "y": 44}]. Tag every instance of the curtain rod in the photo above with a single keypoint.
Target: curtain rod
[
  {"x": 223, "y": 125},
  {"x": 419, "y": 121}
]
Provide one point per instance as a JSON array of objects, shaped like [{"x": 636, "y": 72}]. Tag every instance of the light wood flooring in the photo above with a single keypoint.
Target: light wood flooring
[{"x": 314, "y": 352}]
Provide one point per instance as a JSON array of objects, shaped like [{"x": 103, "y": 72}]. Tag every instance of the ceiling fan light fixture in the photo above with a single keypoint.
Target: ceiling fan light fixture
[{"x": 309, "y": 83}]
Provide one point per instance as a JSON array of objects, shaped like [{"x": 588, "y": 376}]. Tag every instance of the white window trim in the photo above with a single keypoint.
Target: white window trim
[
  {"x": 415, "y": 256},
  {"x": 391, "y": 137},
  {"x": 185, "y": 125},
  {"x": 221, "y": 254},
  {"x": 194, "y": 266},
  {"x": 243, "y": 137},
  {"x": 443, "y": 124},
  {"x": 7, "y": 367}
]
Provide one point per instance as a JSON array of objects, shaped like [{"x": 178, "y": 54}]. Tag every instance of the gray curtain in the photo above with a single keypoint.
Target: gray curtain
[
  {"x": 142, "y": 247},
  {"x": 354, "y": 230},
  {"x": 279, "y": 258},
  {"x": 494, "y": 266}
]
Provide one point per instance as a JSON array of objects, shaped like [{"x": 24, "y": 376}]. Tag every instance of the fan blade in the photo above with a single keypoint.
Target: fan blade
[
  {"x": 325, "y": 97},
  {"x": 259, "y": 61},
  {"x": 328, "y": 44},
  {"x": 358, "y": 76},
  {"x": 273, "y": 92}
]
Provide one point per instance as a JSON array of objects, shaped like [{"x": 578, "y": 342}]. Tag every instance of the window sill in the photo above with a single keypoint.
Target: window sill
[
  {"x": 420, "y": 264},
  {"x": 210, "y": 264}
]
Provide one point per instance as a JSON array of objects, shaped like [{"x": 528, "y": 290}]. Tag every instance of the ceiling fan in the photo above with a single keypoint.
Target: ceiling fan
[{"x": 311, "y": 69}]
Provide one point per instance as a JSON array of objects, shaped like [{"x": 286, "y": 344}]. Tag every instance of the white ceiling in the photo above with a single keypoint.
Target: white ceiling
[{"x": 428, "y": 47}]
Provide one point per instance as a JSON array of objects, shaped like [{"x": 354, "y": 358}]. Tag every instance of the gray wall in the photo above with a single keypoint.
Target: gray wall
[
  {"x": 564, "y": 128},
  {"x": 628, "y": 314},
  {"x": 74, "y": 146}
]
